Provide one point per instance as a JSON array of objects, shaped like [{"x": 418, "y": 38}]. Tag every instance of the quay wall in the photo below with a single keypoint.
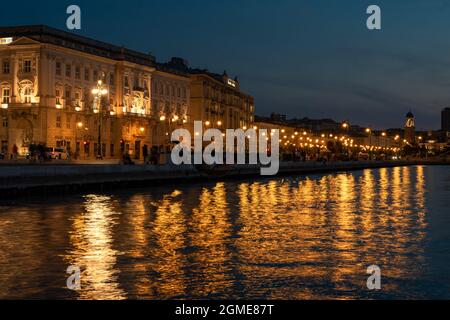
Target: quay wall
[{"x": 17, "y": 180}]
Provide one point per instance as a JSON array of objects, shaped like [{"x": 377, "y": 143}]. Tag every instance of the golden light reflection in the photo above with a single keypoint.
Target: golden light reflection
[
  {"x": 166, "y": 248},
  {"x": 329, "y": 229},
  {"x": 308, "y": 237},
  {"x": 93, "y": 252},
  {"x": 210, "y": 233}
]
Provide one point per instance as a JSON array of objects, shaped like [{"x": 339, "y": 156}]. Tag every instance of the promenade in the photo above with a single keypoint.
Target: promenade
[{"x": 18, "y": 178}]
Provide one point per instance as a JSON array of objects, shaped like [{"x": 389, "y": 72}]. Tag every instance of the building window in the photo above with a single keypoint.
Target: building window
[
  {"x": 127, "y": 83},
  {"x": 58, "y": 68},
  {"x": 68, "y": 70},
  {"x": 77, "y": 99},
  {"x": 27, "y": 93},
  {"x": 58, "y": 97},
  {"x": 6, "y": 95},
  {"x": 27, "y": 66},
  {"x": 58, "y": 120},
  {"x": 68, "y": 95},
  {"x": 111, "y": 79},
  {"x": 137, "y": 81},
  {"x": 6, "y": 40},
  {"x": 95, "y": 75},
  {"x": 77, "y": 73},
  {"x": 5, "y": 121},
  {"x": 6, "y": 67},
  {"x": 87, "y": 74},
  {"x": 68, "y": 119}
]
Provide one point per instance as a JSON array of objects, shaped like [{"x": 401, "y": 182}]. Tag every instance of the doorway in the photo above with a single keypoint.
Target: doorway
[{"x": 137, "y": 150}]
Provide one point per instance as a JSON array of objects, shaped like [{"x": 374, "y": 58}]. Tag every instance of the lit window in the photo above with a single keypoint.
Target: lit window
[
  {"x": 68, "y": 70},
  {"x": 6, "y": 95},
  {"x": 6, "y": 67},
  {"x": 6, "y": 40},
  {"x": 27, "y": 66},
  {"x": 58, "y": 97},
  {"x": 26, "y": 91}
]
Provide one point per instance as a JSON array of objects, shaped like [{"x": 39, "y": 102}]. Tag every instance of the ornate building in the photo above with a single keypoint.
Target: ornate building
[
  {"x": 215, "y": 99},
  {"x": 171, "y": 95},
  {"x": 46, "y": 82}
]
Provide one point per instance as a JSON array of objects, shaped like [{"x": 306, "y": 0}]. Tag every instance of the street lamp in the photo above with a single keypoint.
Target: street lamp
[
  {"x": 99, "y": 92},
  {"x": 369, "y": 132},
  {"x": 345, "y": 126}
]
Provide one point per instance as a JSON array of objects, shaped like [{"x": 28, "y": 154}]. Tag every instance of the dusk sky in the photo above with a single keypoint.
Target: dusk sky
[{"x": 301, "y": 58}]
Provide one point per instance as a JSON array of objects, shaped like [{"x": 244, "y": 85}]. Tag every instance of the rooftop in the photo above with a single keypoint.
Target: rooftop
[{"x": 45, "y": 34}]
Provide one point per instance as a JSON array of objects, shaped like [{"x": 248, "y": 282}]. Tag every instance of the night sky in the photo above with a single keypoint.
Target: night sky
[{"x": 301, "y": 58}]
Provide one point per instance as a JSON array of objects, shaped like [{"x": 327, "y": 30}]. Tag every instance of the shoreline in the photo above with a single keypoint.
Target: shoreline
[{"x": 29, "y": 180}]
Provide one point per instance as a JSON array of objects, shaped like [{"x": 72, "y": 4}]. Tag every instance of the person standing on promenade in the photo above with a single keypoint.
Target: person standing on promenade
[
  {"x": 145, "y": 153},
  {"x": 15, "y": 151}
]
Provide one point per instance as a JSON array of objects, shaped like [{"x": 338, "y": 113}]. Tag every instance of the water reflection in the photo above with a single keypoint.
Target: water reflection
[
  {"x": 92, "y": 240},
  {"x": 291, "y": 238}
]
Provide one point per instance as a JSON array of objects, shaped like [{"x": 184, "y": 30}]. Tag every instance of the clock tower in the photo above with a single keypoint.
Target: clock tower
[{"x": 410, "y": 128}]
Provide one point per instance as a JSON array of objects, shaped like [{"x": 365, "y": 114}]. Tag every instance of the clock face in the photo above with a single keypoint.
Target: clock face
[{"x": 410, "y": 123}]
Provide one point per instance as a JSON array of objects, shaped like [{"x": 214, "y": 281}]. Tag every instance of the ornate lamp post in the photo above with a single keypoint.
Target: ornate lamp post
[{"x": 99, "y": 92}]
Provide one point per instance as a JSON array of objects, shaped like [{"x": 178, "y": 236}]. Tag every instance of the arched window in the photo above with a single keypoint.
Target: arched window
[
  {"x": 26, "y": 91},
  {"x": 137, "y": 104}
]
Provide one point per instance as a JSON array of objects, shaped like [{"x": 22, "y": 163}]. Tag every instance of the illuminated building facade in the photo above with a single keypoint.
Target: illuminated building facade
[
  {"x": 46, "y": 82},
  {"x": 215, "y": 99},
  {"x": 170, "y": 104}
]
